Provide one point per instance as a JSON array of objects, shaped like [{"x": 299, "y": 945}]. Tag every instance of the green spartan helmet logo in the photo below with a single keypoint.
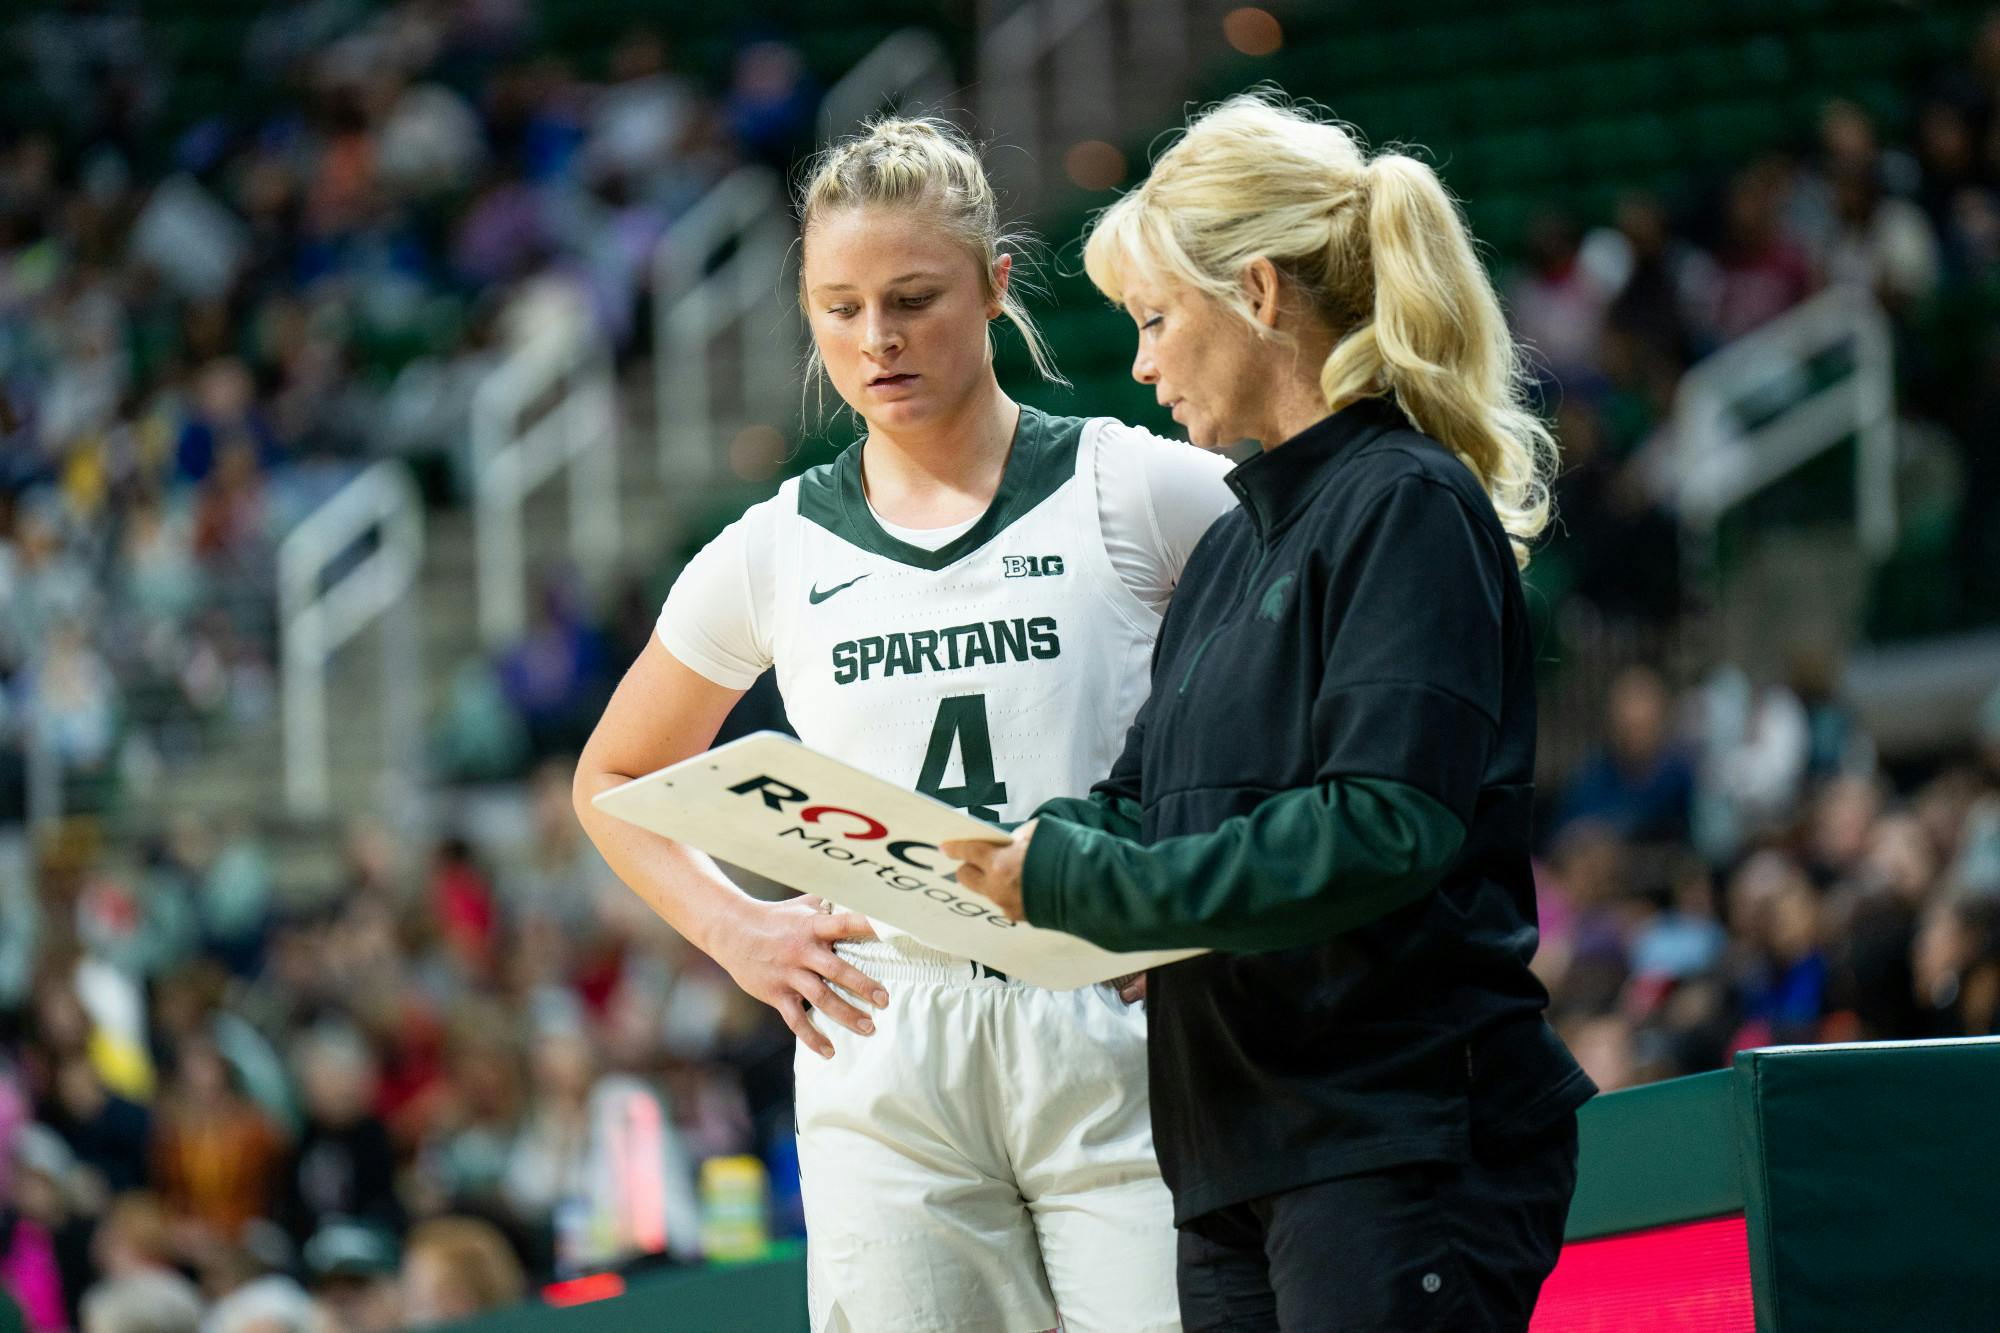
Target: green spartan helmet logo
[{"x": 1274, "y": 600}]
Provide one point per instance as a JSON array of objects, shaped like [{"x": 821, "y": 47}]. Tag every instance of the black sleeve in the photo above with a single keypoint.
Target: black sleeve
[
  {"x": 1403, "y": 722},
  {"x": 1414, "y": 647}
]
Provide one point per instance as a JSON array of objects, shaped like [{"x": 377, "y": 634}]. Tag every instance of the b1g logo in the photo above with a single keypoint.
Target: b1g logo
[{"x": 1031, "y": 566}]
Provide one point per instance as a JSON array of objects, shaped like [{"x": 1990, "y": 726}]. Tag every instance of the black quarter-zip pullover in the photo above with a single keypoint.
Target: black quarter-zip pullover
[{"x": 1330, "y": 786}]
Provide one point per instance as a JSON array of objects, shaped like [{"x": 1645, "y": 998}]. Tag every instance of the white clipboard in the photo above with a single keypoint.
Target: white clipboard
[{"x": 807, "y": 820}]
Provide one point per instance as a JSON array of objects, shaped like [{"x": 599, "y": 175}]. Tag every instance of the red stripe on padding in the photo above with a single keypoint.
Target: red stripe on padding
[
  {"x": 1690, "y": 1278},
  {"x": 583, "y": 1290}
]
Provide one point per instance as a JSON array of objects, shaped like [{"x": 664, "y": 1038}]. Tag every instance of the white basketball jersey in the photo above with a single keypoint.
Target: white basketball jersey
[{"x": 994, "y": 673}]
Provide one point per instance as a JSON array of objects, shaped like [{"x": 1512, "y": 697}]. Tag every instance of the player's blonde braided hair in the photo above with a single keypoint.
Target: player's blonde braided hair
[
  {"x": 1379, "y": 248},
  {"x": 927, "y": 163}
]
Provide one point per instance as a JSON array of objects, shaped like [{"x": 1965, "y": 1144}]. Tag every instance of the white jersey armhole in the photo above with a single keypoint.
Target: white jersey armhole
[
  {"x": 718, "y": 617},
  {"x": 1155, "y": 499}
]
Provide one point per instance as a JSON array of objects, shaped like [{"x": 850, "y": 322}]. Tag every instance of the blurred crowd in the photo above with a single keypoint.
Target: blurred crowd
[
  {"x": 465, "y": 1068},
  {"x": 206, "y": 327},
  {"x": 1731, "y": 864},
  {"x": 459, "y": 1067},
  {"x": 1617, "y": 313},
  {"x": 1734, "y": 868}
]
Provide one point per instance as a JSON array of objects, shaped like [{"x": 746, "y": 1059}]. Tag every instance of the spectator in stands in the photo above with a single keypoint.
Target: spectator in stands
[
  {"x": 1849, "y": 148},
  {"x": 151, "y": 1302},
  {"x": 1842, "y": 815},
  {"x": 1783, "y": 970},
  {"x": 1880, "y": 244},
  {"x": 344, "y": 1164},
  {"x": 1558, "y": 305},
  {"x": 1684, "y": 939},
  {"x": 71, "y": 691},
  {"x": 771, "y": 101},
  {"x": 464, "y": 1160},
  {"x": 1977, "y": 867},
  {"x": 455, "y": 1268},
  {"x": 1603, "y": 1046},
  {"x": 463, "y": 908},
  {"x": 93, "y": 64},
  {"x": 160, "y": 579},
  {"x": 557, "y": 872},
  {"x": 223, "y": 417},
  {"x": 351, "y": 1271},
  {"x": 1757, "y": 746},
  {"x": 1948, "y": 163},
  {"x": 429, "y": 141},
  {"x": 1956, "y": 964},
  {"x": 502, "y": 234},
  {"x": 550, "y": 1159},
  {"x": 644, "y": 120},
  {"x": 231, "y": 533},
  {"x": 556, "y": 676},
  {"x": 1641, "y": 784},
  {"x": 32, "y": 1211},
  {"x": 108, "y": 1131},
  {"x": 235, "y": 892},
  {"x": 1662, "y": 274},
  {"x": 480, "y": 738},
  {"x": 1762, "y": 270},
  {"x": 1874, "y": 918},
  {"x": 46, "y": 584},
  {"x": 216, "y": 1157},
  {"x": 409, "y": 1034},
  {"x": 136, "y": 1236},
  {"x": 1586, "y": 917},
  {"x": 268, "y": 1305},
  {"x": 1618, "y": 550}
]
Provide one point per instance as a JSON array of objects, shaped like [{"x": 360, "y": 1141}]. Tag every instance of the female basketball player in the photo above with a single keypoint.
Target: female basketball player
[
  {"x": 1331, "y": 782},
  {"x": 964, "y": 601}
]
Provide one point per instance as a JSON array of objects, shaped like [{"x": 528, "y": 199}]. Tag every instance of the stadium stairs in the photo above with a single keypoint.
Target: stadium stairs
[
  {"x": 242, "y": 770},
  {"x": 199, "y": 53}
]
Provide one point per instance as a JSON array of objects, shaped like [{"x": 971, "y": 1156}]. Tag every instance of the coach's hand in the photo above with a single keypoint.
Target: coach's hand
[
  {"x": 994, "y": 870},
  {"x": 782, "y": 953}
]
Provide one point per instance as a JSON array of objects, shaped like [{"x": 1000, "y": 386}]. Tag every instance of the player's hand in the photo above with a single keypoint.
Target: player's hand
[
  {"x": 994, "y": 870},
  {"x": 782, "y": 954},
  {"x": 1131, "y": 987}
]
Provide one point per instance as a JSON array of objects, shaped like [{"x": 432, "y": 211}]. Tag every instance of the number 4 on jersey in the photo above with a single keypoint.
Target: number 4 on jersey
[{"x": 961, "y": 720}]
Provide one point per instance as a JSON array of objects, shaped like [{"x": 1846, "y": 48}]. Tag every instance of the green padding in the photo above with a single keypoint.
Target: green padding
[
  {"x": 1878, "y": 1197},
  {"x": 1650, "y": 1156},
  {"x": 764, "y": 1297}
]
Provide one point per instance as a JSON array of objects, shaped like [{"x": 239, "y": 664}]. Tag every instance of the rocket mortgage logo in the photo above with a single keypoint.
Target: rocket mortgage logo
[{"x": 827, "y": 828}]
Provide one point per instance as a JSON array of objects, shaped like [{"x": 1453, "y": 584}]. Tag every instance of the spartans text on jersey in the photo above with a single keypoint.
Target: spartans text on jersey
[{"x": 952, "y": 648}]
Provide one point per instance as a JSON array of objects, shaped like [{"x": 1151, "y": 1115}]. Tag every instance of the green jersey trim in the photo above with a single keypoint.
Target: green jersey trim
[{"x": 1043, "y": 457}]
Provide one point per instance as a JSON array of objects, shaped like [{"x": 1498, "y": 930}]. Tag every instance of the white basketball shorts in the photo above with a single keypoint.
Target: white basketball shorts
[{"x": 984, "y": 1160}]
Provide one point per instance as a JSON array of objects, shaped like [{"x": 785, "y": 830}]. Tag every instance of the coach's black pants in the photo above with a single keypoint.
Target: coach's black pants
[{"x": 1435, "y": 1246}]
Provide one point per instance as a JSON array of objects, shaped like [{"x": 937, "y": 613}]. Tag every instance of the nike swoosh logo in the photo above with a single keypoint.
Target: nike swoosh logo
[{"x": 815, "y": 596}]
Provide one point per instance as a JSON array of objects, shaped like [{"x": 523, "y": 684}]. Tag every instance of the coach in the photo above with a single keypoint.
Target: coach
[{"x": 1364, "y": 1118}]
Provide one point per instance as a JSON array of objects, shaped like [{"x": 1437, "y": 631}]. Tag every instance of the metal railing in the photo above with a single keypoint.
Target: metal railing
[
  {"x": 1053, "y": 73},
  {"x": 43, "y": 771},
  {"x": 1718, "y": 462},
  {"x": 549, "y": 407},
  {"x": 910, "y": 69},
  {"x": 327, "y": 594},
  {"x": 746, "y": 224}
]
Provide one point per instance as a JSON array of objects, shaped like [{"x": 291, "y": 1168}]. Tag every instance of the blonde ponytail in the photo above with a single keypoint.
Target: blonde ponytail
[
  {"x": 1438, "y": 340},
  {"x": 1382, "y": 252}
]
